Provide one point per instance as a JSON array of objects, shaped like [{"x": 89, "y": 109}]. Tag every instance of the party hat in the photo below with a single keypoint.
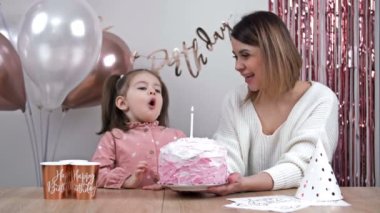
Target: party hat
[{"x": 319, "y": 182}]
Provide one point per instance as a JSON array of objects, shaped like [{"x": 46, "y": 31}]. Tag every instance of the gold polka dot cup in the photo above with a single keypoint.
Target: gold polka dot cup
[
  {"x": 55, "y": 179},
  {"x": 83, "y": 179}
]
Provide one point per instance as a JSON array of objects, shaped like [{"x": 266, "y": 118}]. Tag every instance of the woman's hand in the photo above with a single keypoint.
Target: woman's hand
[
  {"x": 137, "y": 177},
  {"x": 234, "y": 184}
]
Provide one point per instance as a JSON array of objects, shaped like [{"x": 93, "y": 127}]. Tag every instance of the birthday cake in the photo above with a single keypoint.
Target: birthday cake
[{"x": 193, "y": 161}]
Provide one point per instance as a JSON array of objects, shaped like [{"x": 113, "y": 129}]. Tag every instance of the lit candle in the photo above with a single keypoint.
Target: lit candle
[{"x": 191, "y": 121}]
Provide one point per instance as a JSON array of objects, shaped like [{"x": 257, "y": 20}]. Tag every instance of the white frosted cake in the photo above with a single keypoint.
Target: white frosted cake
[{"x": 193, "y": 161}]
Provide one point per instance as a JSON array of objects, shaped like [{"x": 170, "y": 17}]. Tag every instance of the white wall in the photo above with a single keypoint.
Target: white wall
[{"x": 145, "y": 25}]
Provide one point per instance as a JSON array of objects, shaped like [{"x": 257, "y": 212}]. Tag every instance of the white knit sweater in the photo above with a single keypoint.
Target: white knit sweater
[{"x": 286, "y": 153}]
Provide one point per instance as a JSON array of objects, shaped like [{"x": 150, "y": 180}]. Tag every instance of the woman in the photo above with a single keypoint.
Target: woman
[{"x": 271, "y": 124}]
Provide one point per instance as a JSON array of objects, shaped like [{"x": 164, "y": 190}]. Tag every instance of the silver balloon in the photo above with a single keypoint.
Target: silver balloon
[
  {"x": 33, "y": 92},
  {"x": 3, "y": 26},
  {"x": 59, "y": 43}
]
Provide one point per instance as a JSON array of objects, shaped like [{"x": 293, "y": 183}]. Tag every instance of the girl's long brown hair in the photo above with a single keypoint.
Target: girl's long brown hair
[{"x": 115, "y": 85}]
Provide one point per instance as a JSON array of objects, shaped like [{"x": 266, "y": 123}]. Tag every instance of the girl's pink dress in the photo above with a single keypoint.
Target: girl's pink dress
[{"x": 119, "y": 152}]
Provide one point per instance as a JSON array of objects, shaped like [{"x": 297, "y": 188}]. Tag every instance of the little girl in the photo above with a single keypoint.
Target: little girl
[{"x": 134, "y": 115}]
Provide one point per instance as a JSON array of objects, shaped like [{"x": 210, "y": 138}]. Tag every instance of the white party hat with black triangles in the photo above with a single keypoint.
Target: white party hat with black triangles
[{"x": 319, "y": 182}]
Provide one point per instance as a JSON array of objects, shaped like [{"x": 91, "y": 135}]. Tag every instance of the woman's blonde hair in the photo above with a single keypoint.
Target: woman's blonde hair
[{"x": 282, "y": 61}]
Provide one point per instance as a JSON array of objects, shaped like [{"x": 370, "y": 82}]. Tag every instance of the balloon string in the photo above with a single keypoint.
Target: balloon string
[
  {"x": 42, "y": 147},
  {"x": 56, "y": 141},
  {"x": 33, "y": 140},
  {"x": 47, "y": 135}
]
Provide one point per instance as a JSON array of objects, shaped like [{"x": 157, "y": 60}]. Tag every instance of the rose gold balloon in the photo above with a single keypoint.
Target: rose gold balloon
[
  {"x": 6, "y": 105},
  {"x": 12, "y": 89},
  {"x": 115, "y": 58}
]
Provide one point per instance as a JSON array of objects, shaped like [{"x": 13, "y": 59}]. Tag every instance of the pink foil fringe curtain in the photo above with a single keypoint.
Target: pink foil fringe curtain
[{"x": 336, "y": 39}]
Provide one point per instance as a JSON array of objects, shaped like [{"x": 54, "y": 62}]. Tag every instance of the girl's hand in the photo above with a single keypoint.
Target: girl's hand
[
  {"x": 234, "y": 184},
  {"x": 136, "y": 178},
  {"x": 153, "y": 187}
]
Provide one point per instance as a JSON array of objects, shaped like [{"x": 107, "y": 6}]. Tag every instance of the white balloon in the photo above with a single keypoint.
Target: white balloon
[
  {"x": 59, "y": 43},
  {"x": 33, "y": 92}
]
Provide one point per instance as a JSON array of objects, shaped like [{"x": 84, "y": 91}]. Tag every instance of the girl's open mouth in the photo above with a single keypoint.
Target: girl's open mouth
[{"x": 152, "y": 103}]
